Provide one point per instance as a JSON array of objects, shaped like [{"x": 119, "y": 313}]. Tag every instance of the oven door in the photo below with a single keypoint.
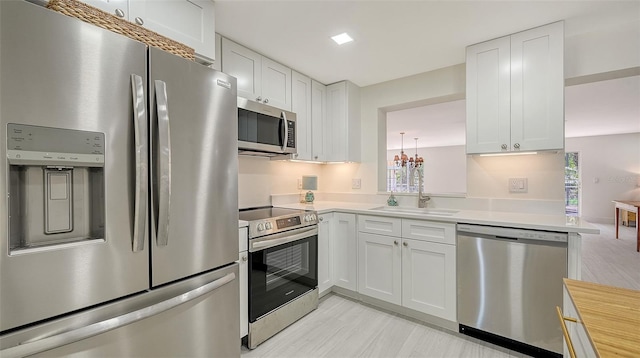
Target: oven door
[{"x": 281, "y": 268}]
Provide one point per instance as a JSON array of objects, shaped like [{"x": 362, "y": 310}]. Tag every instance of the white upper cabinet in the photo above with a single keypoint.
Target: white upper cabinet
[
  {"x": 119, "y": 8},
  {"x": 245, "y": 65},
  {"x": 515, "y": 92},
  {"x": 318, "y": 118},
  {"x": 217, "y": 64},
  {"x": 259, "y": 78},
  {"x": 190, "y": 22},
  {"x": 276, "y": 84},
  {"x": 301, "y": 106},
  {"x": 343, "y": 122}
]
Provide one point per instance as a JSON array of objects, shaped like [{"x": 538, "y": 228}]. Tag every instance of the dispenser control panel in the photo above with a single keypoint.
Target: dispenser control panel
[{"x": 28, "y": 145}]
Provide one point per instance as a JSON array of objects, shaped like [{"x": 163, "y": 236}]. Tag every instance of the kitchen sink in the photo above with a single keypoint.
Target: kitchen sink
[{"x": 410, "y": 210}]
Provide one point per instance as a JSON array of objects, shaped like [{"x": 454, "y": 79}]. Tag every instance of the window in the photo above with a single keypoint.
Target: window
[{"x": 571, "y": 183}]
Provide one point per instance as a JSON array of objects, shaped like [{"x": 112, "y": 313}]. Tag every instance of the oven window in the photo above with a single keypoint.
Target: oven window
[{"x": 286, "y": 264}]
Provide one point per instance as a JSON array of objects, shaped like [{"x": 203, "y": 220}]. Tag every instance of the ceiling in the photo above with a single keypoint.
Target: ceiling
[
  {"x": 597, "y": 108},
  {"x": 395, "y": 39}
]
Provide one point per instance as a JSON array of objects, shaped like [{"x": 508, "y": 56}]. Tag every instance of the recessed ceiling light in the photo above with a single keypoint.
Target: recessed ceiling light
[{"x": 342, "y": 38}]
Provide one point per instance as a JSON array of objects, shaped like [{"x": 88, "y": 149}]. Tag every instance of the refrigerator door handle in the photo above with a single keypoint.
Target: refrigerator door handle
[
  {"x": 28, "y": 348},
  {"x": 142, "y": 162},
  {"x": 286, "y": 132},
  {"x": 164, "y": 154}
]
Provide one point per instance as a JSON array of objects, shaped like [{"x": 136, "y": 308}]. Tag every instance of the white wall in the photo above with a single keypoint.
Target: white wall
[
  {"x": 445, "y": 168},
  {"x": 609, "y": 170},
  {"x": 489, "y": 176},
  {"x": 486, "y": 176},
  {"x": 604, "y": 49}
]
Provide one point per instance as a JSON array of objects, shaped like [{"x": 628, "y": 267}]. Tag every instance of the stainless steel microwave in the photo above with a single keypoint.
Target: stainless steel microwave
[{"x": 265, "y": 129}]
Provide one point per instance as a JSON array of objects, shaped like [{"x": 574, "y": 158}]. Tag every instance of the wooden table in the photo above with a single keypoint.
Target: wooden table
[
  {"x": 610, "y": 316},
  {"x": 633, "y": 207}
]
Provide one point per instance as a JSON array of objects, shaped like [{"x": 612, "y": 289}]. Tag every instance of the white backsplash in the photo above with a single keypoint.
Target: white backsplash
[{"x": 529, "y": 206}]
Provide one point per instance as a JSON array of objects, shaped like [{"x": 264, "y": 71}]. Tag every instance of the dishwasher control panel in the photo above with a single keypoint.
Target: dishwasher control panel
[{"x": 512, "y": 233}]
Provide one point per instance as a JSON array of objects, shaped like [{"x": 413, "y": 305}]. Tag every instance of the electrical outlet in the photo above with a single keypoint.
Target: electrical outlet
[
  {"x": 356, "y": 183},
  {"x": 299, "y": 183},
  {"x": 518, "y": 185}
]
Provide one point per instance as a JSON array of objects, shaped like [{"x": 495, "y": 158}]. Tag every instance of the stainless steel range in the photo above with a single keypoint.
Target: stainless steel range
[{"x": 283, "y": 269}]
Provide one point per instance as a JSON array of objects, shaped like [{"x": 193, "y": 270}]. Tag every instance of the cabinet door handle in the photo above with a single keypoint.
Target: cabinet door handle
[
  {"x": 259, "y": 99},
  {"x": 395, "y": 242},
  {"x": 139, "y": 21},
  {"x": 504, "y": 147},
  {"x": 244, "y": 258},
  {"x": 119, "y": 13},
  {"x": 266, "y": 100},
  {"x": 321, "y": 218},
  {"x": 405, "y": 244},
  {"x": 565, "y": 332},
  {"x": 517, "y": 145}
]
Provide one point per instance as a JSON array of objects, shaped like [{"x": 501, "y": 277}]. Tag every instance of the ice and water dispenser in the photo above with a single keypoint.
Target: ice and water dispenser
[{"x": 56, "y": 187}]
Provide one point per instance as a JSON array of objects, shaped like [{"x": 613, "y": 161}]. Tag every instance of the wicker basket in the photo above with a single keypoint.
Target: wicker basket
[{"x": 113, "y": 23}]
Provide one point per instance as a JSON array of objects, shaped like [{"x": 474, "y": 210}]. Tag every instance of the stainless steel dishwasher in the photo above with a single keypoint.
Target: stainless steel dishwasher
[{"x": 509, "y": 283}]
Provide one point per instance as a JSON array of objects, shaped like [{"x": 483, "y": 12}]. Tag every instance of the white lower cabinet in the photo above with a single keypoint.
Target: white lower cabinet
[
  {"x": 325, "y": 262},
  {"x": 344, "y": 240},
  {"x": 380, "y": 267},
  {"x": 412, "y": 265},
  {"x": 577, "y": 332},
  {"x": 429, "y": 278}
]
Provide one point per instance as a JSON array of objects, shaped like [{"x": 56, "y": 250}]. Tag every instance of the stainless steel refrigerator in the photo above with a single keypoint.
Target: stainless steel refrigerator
[{"x": 118, "y": 227}]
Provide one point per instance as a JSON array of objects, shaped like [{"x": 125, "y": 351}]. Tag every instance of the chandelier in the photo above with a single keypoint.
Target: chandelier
[{"x": 404, "y": 160}]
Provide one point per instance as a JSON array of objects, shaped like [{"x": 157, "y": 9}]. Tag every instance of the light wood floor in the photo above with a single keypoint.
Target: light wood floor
[
  {"x": 609, "y": 261},
  {"x": 341, "y": 327}
]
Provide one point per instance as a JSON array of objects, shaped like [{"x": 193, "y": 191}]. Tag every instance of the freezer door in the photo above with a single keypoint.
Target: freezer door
[
  {"x": 194, "y": 170},
  {"x": 58, "y": 72},
  {"x": 193, "y": 318}
]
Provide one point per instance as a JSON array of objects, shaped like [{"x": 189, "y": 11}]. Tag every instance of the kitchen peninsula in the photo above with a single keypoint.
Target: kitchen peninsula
[{"x": 412, "y": 261}]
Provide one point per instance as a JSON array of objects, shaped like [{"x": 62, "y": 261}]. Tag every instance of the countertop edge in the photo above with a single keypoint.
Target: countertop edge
[{"x": 522, "y": 221}]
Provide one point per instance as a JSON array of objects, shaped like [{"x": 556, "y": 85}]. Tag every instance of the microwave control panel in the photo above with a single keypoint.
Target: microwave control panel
[{"x": 291, "y": 134}]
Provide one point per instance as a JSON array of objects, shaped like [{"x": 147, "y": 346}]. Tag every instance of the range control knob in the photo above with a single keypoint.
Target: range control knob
[
  {"x": 307, "y": 218},
  {"x": 268, "y": 226},
  {"x": 260, "y": 227}
]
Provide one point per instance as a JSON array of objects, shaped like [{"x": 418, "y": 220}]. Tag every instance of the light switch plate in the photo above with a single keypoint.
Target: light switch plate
[
  {"x": 299, "y": 183},
  {"x": 518, "y": 185},
  {"x": 356, "y": 183}
]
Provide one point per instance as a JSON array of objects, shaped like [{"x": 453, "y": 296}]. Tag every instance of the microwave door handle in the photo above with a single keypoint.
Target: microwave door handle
[
  {"x": 164, "y": 167},
  {"x": 141, "y": 157},
  {"x": 286, "y": 132}
]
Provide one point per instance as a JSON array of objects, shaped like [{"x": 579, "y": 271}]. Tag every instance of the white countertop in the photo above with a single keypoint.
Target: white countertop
[
  {"x": 558, "y": 223},
  {"x": 242, "y": 223}
]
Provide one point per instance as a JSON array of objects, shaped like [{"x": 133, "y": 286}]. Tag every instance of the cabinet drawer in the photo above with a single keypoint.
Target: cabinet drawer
[
  {"x": 444, "y": 233},
  {"x": 380, "y": 225}
]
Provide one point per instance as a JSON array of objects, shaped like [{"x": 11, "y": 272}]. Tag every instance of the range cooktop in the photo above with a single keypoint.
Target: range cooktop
[{"x": 270, "y": 220}]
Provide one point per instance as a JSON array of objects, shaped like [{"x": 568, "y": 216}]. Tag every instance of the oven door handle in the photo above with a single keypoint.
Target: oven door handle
[{"x": 258, "y": 245}]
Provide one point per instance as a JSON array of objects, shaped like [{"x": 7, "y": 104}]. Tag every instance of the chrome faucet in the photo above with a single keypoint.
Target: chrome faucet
[{"x": 422, "y": 199}]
